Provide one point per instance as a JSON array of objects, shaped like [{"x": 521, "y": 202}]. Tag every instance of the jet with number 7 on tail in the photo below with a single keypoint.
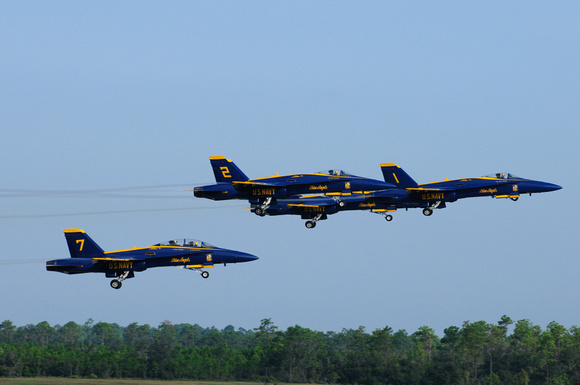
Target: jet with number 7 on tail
[
  {"x": 88, "y": 257},
  {"x": 262, "y": 193}
]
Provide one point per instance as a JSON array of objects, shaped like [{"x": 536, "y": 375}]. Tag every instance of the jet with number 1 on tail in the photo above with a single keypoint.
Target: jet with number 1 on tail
[
  {"x": 435, "y": 195},
  {"x": 262, "y": 193},
  {"x": 88, "y": 257},
  {"x": 410, "y": 194}
]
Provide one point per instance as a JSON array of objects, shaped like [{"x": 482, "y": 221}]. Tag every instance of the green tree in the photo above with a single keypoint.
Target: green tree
[
  {"x": 164, "y": 350},
  {"x": 266, "y": 335},
  {"x": 427, "y": 338},
  {"x": 7, "y": 330},
  {"x": 44, "y": 334},
  {"x": 474, "y": 337},
  {"x": 497, "y": 343},
  {"x": 70, "y": 335},
  {"x": 302, "y": 355},
  {"x": 107, "y": 334},
  {"x": 525, "y": 345}
]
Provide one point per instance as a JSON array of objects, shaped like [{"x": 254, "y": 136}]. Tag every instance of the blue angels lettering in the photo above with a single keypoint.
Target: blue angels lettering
[{"x": 88, "y": 257}]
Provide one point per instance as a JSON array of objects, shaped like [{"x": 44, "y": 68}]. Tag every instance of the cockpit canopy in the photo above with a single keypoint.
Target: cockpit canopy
[
  {"x": 503, "y": 175},
  {"x": 187, "y": 242},
  {"x": 335, "y": 172}
]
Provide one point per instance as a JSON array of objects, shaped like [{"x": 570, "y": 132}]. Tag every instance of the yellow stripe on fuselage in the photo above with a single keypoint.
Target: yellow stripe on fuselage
[
  {"x": 470, "y": 179},
  {"x": 307, "y": 174},
  {"x": 161, "y": 247}
]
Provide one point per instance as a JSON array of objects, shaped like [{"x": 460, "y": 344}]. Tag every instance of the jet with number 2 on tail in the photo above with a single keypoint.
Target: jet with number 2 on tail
[
  {"x": 409, "y": 194},
  {"x": 232, "y": 183},
  {"x": 88, "y": 257}
]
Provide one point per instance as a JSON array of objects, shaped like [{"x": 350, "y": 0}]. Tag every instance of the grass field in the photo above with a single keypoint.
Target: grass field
[{"x": 71, "y": 381}]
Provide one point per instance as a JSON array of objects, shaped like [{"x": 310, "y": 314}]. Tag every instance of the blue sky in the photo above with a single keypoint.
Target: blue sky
[{"x": 111, "y": 95}]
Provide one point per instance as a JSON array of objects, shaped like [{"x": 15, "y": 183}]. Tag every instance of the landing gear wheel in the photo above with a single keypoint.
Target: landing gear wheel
[
  {"x": 341, "y": 204},
  {"x": 514, "y": 198},
  {"x": 116, "y": 284},
  {"x": 204, "y": 274},
  {"x": 259, "y": 211},
  {"x": 427, "y": 212},
  {"x": 389, "y": 217},
  {"x": 310, "y": 224}
]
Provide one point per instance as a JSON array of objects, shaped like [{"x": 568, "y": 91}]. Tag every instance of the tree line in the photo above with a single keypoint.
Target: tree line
[{"x": 475, "y": 353}]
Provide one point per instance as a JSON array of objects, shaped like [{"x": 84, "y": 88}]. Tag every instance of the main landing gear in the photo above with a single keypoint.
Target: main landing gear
[
  {"x": 117, "y": 283},
  {"x": 312, "y": 223},
  {"x": 428, "y": 211},
  {"x": 261, "y": 210}
]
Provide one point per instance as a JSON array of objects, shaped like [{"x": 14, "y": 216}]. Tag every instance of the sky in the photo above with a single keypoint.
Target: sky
[{"x": 109, "y": 112}]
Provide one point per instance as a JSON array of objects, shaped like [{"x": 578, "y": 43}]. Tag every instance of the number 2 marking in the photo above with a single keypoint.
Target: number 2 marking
[{"x": 225, "y": 172}]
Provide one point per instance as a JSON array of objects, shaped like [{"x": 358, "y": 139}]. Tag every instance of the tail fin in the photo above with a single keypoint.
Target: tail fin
[
  {"x": 80, "y": 245},
  {"x": 394, "y": 174},
  {"x": 226, "y": 171}
]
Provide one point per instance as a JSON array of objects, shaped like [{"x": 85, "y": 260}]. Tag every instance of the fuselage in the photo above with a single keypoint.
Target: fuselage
[
  {"x": 290, "y": 185},
  {"x": 140, "y": 259},
  {"x": 427, "y": 194}
]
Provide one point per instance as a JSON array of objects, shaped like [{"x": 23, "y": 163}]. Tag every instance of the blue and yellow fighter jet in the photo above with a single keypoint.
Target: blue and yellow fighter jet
[
  {"x": 435, "y": 195},
  {"x": 88, "y": 257},
  {"x": 409, "y": 194},
  {"x": 232, "y": 183}
]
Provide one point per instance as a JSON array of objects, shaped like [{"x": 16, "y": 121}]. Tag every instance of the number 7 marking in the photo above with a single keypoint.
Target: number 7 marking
[{"x": 82, "y": 242}]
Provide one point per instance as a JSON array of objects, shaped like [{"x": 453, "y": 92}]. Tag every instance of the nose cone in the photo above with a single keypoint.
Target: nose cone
[
  {"x": 245, "y": 257},
  {"x": 534, "y": 186}
]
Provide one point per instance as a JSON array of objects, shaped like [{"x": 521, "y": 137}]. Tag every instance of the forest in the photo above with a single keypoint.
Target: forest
[{"x": 506, "y": 352}]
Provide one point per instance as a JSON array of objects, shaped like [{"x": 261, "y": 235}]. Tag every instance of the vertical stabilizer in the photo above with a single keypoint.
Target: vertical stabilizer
[
  {"x": 226, "y": 171},
  {"x": 396, "y": 175},
  {"x": 80, "y": 245}
]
